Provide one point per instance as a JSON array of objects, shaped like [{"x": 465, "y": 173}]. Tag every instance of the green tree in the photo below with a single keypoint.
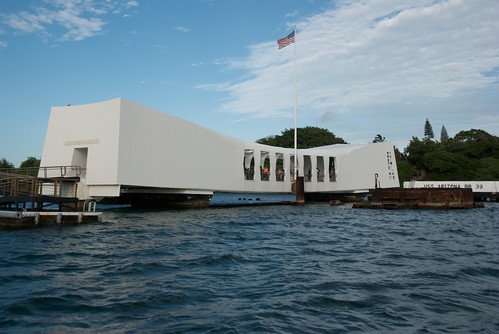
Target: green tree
[
  {"x": 442, "y": 165},
  {"x": 475, "y": 144},
  {"x": 488, "y": 169},
  {"x": 30, "y": 162},
  {"x": 308, "y": 137},
  {"x": 5, "y": 164},
  {"x": 378, "y": 139},
  {"x": 428, "y": 130},
  {"x": 416, "y": 150},
  {"x": 444, "y": 136},
  {"x": 474, "y": 135},
  {"x": 470, "y": 155},
  {"x": 406, "y": 171}
]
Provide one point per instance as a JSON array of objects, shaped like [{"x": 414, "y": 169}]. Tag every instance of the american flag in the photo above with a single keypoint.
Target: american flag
[{"x": 283, "y": 42}]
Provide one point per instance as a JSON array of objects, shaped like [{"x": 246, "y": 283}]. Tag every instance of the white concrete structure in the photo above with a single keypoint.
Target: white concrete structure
[
  {"x": 488, "y": 187},
  {"x": 126, "y": 147}
]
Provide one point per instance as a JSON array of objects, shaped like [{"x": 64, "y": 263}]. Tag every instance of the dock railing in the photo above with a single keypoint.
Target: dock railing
[
  {"x": 35, "y": 184},
  {"x": 46, "y": 172}
]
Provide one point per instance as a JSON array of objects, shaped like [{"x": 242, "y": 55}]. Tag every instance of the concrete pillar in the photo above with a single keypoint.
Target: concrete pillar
[{"x": 300, "y": 190}]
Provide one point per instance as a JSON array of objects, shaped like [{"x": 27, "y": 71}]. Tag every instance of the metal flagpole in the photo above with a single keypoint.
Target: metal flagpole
[{"x": 296, "y": 112}]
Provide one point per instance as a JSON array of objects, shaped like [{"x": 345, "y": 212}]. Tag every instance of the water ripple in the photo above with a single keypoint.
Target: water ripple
[{"x": 306, "y": 269}]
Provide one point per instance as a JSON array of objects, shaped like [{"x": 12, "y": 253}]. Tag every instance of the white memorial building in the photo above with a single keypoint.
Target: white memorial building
[{"x": 127, "y": 150}]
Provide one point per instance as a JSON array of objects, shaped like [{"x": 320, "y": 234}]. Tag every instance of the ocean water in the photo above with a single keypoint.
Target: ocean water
[{"x": 256, "y": 269}]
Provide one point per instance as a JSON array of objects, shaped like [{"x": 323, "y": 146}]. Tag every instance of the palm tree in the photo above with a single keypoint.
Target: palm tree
[{"x": 378, "y": 139}]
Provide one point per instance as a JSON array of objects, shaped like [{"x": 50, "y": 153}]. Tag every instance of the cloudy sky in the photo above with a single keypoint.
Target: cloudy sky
[{"x": 364, "y": 67}]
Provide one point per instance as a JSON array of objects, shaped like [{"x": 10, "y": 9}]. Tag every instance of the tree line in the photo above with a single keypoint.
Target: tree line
[
  {"x": 29, "y": 162},
  {"x": 471, "y": 155}
]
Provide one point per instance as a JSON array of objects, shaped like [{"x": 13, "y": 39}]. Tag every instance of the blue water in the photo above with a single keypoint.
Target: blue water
[{"x": 256, "y": 269}]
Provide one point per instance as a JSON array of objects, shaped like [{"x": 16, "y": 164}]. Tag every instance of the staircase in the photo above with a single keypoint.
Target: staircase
[{"x": 32, "y": 189}]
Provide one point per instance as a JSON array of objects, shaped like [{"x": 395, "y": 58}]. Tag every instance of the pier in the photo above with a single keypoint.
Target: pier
[
  {"x": 27, "y": 219},
  {"x": 31, "y": 197}
]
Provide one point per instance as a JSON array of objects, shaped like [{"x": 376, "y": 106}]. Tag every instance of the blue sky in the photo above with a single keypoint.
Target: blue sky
[{"x": 364, "y": 67}]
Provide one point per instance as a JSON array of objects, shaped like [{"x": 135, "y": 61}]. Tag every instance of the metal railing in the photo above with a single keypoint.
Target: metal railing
[
  {"x": 57, "y": 181},
  {"x": 46, "y": 172},
  {"x": 17, "y": 186}
]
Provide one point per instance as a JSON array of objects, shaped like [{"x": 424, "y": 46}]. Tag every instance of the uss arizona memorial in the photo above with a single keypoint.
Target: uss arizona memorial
[{"x": 131, "y": 154}]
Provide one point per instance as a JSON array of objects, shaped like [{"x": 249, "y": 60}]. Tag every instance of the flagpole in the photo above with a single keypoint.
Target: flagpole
[{"x": 296, "y": 113}]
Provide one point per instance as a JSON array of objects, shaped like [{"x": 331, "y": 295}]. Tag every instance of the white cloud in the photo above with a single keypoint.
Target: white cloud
[
  {"x": 132, "y": 3},
  {"x": 371, "y": 52},
  {"x": 79, "y": 19},
  {"x": 182, "y": 29},
  {"x": 218, "y": 86}
]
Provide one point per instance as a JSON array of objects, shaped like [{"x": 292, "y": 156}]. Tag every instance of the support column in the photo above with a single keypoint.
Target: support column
[{"x": 300, "y": 190}]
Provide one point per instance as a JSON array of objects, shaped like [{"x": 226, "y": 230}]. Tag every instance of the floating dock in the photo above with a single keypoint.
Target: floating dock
[
  {"x": 28, "y": 219},
  {"x": 24, "y": 202},
  {"x": 418, "y": 198}
]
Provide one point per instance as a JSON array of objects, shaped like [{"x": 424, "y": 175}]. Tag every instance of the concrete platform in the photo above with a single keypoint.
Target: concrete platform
[
  {"x": 29, "y": 219},
  {"x": 419, "y": 198}
]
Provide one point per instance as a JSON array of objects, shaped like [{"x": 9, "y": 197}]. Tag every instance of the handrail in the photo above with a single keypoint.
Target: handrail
[
  {"x": 31, "y": 180},
  {"x": 18, "y": 186},
  {"x": 39, "y": 185},
  {"x": 46, "y": 171}
]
